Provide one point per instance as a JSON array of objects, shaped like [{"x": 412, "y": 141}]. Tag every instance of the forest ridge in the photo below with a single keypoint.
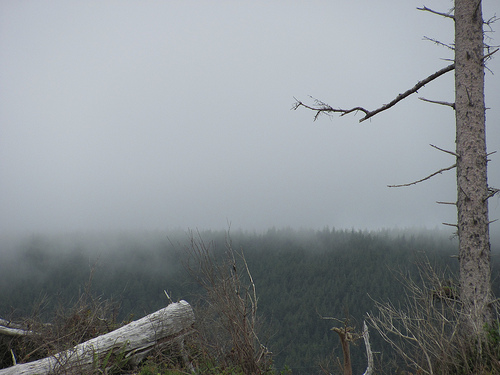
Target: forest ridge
[{"x": 300, "y": 275}]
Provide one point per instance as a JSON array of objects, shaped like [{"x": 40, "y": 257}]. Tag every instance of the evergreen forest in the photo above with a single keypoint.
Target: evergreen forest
[{"x": 301, "y": 277}]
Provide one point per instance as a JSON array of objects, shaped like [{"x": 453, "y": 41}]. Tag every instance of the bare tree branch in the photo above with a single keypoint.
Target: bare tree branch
[
  {"x": 452, "y": 105},
  {"x": 491, "y": 192},
  {"x": 439, "y": 43},
  {"x": 443, "y": 150},
  {"x": 489, "y": 54},
  {"x": 490, "y": 21},
  {"x": 447, "y": 15},
  {"x": 321, "y": 107},
  {"x": 452, "y": 203},
  {"x": 425, "y": 178}
]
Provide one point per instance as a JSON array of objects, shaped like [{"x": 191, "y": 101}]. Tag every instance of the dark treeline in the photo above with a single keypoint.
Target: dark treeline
[{"x": 300, "y": 277}]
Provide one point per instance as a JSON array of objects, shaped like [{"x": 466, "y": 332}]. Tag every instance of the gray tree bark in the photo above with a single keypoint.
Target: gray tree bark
[{"x": 472, "y": 186}]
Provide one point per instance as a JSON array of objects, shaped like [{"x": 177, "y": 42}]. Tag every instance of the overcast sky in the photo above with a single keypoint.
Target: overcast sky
[{"x": 153, "y": 115}]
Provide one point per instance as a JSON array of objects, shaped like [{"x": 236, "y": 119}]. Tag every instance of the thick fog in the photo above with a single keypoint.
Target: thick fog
[{"x": 153, "y": 115}]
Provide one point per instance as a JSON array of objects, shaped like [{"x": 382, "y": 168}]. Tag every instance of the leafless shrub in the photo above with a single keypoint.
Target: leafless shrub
[
  {"x": 228, "y": 322},
  {"x": 86, "y": 318},
  {"x": 425, "y": 329},
  {"x": 174, "y": 357}
]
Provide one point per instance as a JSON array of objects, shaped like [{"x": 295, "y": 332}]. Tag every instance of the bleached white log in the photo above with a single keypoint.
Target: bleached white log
[
  {"x": 369, "y": 354},
  {"x": 9, "y": 328},
  {"x": 134, "y": 340},
  {"x": 7, "y": 331}
]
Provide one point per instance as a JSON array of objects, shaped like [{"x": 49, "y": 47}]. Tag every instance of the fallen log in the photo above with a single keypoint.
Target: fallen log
[
  {"x": 131, "y": 342},
  {"x": 9, "y": 328}
]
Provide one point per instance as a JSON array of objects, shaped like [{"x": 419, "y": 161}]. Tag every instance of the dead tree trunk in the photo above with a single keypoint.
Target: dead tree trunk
[
  {"x": 346, "y": 337},
  {"x": 472, "y": 186},
  {"x": 132, "y": 342},
  {"x": 471, "y": 159}
]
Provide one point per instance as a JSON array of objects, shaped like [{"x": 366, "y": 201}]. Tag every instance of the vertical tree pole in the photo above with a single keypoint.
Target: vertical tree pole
[
  {"x": 471, "y": 164},
  {"x": 472, "y": 186}
]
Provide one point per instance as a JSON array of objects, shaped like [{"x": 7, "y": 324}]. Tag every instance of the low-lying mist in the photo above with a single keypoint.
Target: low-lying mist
[{"x": 45, "y": 267}]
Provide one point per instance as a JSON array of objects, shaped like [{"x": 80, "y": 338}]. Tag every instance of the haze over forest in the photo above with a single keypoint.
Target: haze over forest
[
  {"x": 299, "y": 277},
  {"x": 132, "y": 116}
]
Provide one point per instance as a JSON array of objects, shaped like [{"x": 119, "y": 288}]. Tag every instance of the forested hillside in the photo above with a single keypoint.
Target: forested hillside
[{"x": 300, "y": 276}]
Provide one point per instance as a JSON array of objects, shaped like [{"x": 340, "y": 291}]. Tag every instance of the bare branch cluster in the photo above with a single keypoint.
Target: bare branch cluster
[
  {"x": 425, "y": 331},
  {"x": 88, "y": 317},
  {"x": 490, "y": 21},
  {"x": 425, "y": 327},
  {"x": 230, "y": 331}
]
